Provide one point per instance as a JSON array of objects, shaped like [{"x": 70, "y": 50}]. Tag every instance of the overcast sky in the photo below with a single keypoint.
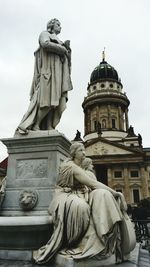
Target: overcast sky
[{"x": 122, "y": 26}]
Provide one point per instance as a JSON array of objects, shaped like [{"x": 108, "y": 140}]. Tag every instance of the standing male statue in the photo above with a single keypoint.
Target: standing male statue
[{"x": 51, "y": 81}]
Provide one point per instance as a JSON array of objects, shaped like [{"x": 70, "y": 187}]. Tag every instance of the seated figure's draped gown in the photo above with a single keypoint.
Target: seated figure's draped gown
[{"x": 86, "y": 220}]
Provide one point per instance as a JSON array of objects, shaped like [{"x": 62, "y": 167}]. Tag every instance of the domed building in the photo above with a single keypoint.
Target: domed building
[{"x": 119, "y": 159}]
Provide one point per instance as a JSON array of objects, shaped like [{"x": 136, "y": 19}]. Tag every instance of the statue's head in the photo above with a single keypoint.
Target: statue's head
[
  {"x": 54, "y": 26},
  {"x": 76, "y": 148},
  {"x": 87, "y": 164}
]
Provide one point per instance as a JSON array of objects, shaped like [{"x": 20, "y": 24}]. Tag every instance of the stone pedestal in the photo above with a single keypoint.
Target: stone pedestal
[
  {"x": 33, "y": 167},
  {"x": 17, "y": 258}
]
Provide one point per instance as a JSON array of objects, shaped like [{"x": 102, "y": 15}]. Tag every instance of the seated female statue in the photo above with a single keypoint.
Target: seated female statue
[{"x": 87, "y": 217}]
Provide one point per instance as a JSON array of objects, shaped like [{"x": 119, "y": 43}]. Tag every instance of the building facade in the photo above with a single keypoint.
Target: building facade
[{"x": 118, "y": 156}]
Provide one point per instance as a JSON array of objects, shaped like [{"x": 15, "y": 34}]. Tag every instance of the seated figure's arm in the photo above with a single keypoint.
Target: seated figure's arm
[
  {"x": 47, "y": 44},
  {"x": 83, "y": 178}
]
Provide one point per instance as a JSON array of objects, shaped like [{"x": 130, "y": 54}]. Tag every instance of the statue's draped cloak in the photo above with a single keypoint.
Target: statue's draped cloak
[
  {"x": 85, "y": 220},
  {"x": 51, "y": 83}
]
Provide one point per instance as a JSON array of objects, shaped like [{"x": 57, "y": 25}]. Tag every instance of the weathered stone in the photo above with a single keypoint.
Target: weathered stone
[
  {"x": 33, "y": 165},
  {"x": 33, "y": 168}
]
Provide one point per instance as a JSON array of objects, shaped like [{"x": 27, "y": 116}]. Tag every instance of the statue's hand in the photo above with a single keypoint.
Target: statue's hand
[
  {"x": 67, "y": 44},
  {"x": 123, "y": 204}
]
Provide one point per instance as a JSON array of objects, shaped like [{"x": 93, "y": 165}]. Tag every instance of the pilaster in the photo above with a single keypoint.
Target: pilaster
[
  {"x": 126, "y": 183},
  {"x": 144, "y": 181}
]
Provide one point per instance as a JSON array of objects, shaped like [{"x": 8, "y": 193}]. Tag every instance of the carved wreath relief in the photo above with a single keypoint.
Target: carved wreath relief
[
  {"x": 28, "y": 199},
  {"x": 35, "y": 168}
]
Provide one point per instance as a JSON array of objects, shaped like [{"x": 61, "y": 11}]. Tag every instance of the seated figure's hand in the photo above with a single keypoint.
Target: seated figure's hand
[{"x": 123, "y": 204}]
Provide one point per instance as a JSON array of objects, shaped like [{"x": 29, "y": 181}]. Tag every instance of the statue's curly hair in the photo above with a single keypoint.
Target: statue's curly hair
[{"x": 51, "y": 23}]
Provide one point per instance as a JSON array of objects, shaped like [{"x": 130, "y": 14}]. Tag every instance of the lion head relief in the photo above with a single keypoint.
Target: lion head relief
[{"x": 28, "y": 199}]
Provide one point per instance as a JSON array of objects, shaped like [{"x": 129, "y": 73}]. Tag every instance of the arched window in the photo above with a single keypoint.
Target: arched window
[
  {"x": 103, "y": 123},
  {"x": 113, "y": 123},
  {"x": 95, "y": 125},
  {"x": 136, "y": 195}
]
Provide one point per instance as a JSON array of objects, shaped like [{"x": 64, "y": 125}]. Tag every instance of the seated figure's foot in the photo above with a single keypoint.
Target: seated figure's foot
[{"x": 36, "y": 127}]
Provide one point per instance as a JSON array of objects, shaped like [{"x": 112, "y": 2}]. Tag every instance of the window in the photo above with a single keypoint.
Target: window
[
  {"x": 111, "y": 85},
  {"x": 103, "y": 123},
  {"x": 136, "y": 196},
  {"x": 95, "y": 125},
  {"x": 102, "y": 85},
  {"x": 117, "y": 174},
  {"x": 94, "y": 87},
  {"x": 113, "y": 123},
  {"x": 134, "y": 173}
]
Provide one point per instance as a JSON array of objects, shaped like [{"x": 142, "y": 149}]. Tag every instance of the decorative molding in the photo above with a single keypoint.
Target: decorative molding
[{"x": 135, "y": 185}]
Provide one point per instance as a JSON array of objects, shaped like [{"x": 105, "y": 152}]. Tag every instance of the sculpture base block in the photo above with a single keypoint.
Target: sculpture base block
[
  {"x": 32, "y": 173},
  {"x": 24, "y": 232},
  {"x": 63, "y": 261},
  {"x": 16, "y": 258},
  {"x": 33, "y": 165}
]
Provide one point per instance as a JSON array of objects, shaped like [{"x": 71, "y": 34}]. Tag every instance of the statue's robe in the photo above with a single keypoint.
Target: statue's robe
[{"x": 51, "y": 83}]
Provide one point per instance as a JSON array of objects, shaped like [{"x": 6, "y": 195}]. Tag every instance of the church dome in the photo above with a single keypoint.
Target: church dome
[{"x": 104, "y": 71}]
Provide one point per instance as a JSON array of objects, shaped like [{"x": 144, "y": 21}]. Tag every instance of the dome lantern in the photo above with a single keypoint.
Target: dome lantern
[{"x": 104, "y": 71}]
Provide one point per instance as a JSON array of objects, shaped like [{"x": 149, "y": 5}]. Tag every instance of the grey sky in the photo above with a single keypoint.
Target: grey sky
[{"x": 122, "y": 26}]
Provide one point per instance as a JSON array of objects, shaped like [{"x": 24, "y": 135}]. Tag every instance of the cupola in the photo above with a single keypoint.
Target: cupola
[
  {"x": 106, "y": 105},
  {"x": 104, "y": 71}
]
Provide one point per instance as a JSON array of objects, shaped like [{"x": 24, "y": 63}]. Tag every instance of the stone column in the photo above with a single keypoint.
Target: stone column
[
  {"x": 97, "y": 113},
  {"x": 126, "y": 119},
  {"x": 85, "y": 122},
  {"x": 126, "y": 183},
  {"x": 88, "y": 121},
  {"x": 109, "y": 117},
  {"x": 110, "y": 177},
  {"x": 144, "y": 181},
  {"x": 120, "y": 120}
]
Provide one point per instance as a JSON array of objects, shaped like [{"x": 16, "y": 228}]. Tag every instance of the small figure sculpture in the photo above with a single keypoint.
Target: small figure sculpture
[
  {"x": 99, "y": 130},
  {"x": 86, "y": 216},
  {"x": 140, "y": 140},
  {"x": 78, "y": 137},
  {"x": 131, "y": 131},
  {"x": 51, "y": 81}
]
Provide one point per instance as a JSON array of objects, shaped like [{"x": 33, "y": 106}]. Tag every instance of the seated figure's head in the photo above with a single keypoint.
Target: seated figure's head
[{"x": 77, "y": 150}]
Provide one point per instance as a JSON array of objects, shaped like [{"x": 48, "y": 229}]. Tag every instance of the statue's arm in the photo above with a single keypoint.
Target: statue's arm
[
  {"x": 50, "y": 46},
  {"x": 83, "y": 178}
]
